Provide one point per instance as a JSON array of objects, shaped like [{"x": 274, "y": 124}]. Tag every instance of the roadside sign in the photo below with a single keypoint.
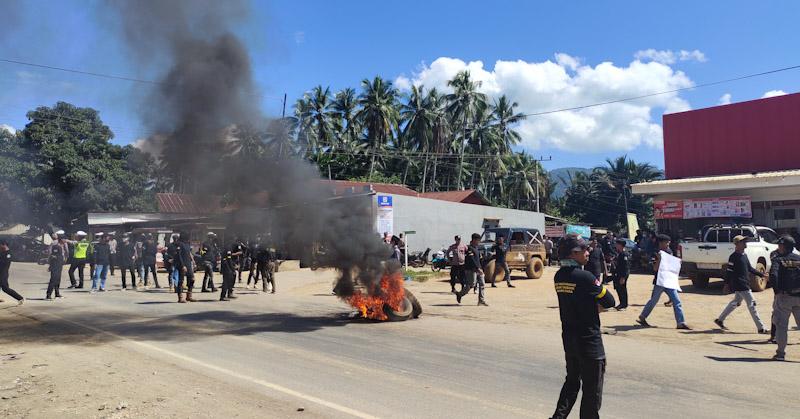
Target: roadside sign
[{"x": 410, "y": 232}]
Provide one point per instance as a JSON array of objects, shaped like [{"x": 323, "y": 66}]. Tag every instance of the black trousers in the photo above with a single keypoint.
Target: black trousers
[
  {"x": 124, "y": 270},
  {"x": 590, "y": 373},
  {"x": 79, "y": 266},
  {"x": 208, "y": 276},
  {"x": 6, "y": 289},
  {"x": 622, "y": 292},
  {"x": 151, "y": 268},
  {"x": 188, "y": 277},
  {"x": 227, "y": 284},
  {"x": 55, "y": 279},
  {"x": 456, "y": 275}
]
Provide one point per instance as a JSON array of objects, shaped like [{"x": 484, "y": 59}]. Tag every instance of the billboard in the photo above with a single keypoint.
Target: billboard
[
  {"x": 733, "y": 206},
  {"x": 582, "y": 231},
  {"x": 663, "y": 210},
  {"x": 385, "y": 219}
]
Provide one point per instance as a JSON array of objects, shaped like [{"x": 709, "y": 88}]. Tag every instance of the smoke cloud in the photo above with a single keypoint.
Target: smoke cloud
[{"x": 205, "y": 109}]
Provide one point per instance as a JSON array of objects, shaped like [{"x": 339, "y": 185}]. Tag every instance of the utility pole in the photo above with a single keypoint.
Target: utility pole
[
  {"x": 536, "y": 172},
  {"x": 283, "y": 113}
]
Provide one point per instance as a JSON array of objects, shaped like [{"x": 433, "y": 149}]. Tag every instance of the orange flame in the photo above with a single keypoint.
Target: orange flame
[{"x": 389, "y": 293}]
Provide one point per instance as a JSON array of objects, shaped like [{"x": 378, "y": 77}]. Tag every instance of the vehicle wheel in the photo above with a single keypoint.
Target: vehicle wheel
[
  {"x": 405, "y": 311},
  {"x": 416, "y": 306},
  {"x": 535, "y": 269},
  {"x": 759, "y": 284},
  {"x": 490, "y": 271},
  {"x": 700, "y": 280}
]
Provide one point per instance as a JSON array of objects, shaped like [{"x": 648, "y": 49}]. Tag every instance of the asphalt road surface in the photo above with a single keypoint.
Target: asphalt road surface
[{"x": 300, "y": 346}]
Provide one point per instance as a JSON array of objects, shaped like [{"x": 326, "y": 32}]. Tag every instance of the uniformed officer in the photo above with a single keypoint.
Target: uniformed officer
[
  {"x": 185, "y": 265},
  {"x": 209, "y": 255},
  {"x": 579, "y": 293},
  {"x": 784, "y": 275},
  {"x": 56, "y": 264},
  {"x": 622, "y": 269},
  {"x": 5, "y": 264},
  {"x": 228, "y": 269}
]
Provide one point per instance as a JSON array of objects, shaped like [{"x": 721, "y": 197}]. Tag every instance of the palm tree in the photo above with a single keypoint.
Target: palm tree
[
  {"x": 344, "y": 108},
  {"x": 505, "y": 116},
  {"x": 440, "y": 129},
  {"x": 306, "y": 137},
  {"x": 462, "y": 107},
  {"x": 320, "y": 113},
  {"x": 418, "y": 116},
  {"x": 378, "y": 114}
]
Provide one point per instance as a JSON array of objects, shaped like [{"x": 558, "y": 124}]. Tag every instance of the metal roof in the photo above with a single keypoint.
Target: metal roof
[
  {"x": 707, "y": 183},
  {"x": 468, "y": 196},
  {"x": 176, "y": 203}
]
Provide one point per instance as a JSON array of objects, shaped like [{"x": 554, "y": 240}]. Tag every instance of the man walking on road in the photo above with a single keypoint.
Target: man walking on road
[
  {"x": 500, "y": 262},
  {"x": 5, "y": 264},
  {"x": 622, "y": 270},
  {"x": 579, "y": 293},
  {"x": 473, "y": 272},
  {"x": 102, "y": 258},
  {"x": 185, "y": 266},
  {"x": 548, "y": 249},
  {"x": 677, "y": 307},
  {"x": 80, "y": 253},
  {"x": 457, "y": 254},
  {"x": 209, "y": 255},
  {"x": 126, "y": 259},
  {"x": 597, "y": 260},
  {"x": 112, "y": 249},
  {"x": 784, "y": 275},
  {"x": 55, "y": 261},
  {"x": 228, "y": 269},
  {"x": 737, "y": 279}
]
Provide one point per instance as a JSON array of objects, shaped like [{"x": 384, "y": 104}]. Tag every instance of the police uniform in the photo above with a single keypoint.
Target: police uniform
[
  {"x": 622, "y": 269},
  {"x": 579, "y": 293},
  {"x": 185, "y": 265},
  {"x": 207, "y": 251},
  {"x": 785, "y": 278},
  {"x": 5, "y": 264},
  {"x": 228, "y": 269},
  {"x": 56, "y": 265}
]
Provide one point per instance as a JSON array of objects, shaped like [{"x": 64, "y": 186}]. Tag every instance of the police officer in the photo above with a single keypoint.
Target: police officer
[
  {"x": 126, "y": 258},
  {"x": 185, "y": 265},
  {"x": 785, "y": 278},
  {"x": 622, "y": 269},
  {"x": 55, "y": 261},
  {"x": 228, "y": 269},
  {"x": 579, "y": 293},
  {"x": 5, "y": 264},
  {"x": 597, "y": 259},
  {"x": 209, "y": 255},
  {"x": 80, "y": 254}
]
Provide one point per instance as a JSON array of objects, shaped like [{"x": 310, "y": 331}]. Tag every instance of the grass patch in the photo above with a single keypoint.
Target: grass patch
[{"x": 423, "y": 276}]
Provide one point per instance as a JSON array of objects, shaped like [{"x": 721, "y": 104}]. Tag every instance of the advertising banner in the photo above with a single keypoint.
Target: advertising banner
[
  {"x": 668, "y": 209},
  {"x": 385, "y": 221},
  {"x": 733, "y": 206},
  {"x": 582, "y": 231},
  {"x": 554, "y": 231}
]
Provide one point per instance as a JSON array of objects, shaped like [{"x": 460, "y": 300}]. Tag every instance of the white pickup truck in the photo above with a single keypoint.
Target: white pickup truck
[{"x": 709, "y": 258}]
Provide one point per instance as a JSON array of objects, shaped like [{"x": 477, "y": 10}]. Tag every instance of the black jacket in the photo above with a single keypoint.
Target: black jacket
[
  {"x": 102, "y": 253},
  {"x": 149, "y": 251},
  {"x": 5, "y": 263},
  {"x": 784, "y": 275},
  {"x": 125, "y": 254},
  {"x": 473, "y": 259},
  {"x": 622, "y": 266},
  {"x": 596, "y": 261},
  {"x": 579, "y": 293},
  {"x": 737, "y": 273}
]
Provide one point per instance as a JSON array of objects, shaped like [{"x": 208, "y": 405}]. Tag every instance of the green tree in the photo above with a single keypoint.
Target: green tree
[
  {"x": 462, "y": 106},
  {"x": 379, "y": 114},
  {"x": 63, "y": 165}
]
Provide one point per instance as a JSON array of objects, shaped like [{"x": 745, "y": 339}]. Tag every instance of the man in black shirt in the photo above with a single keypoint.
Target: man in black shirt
[
  {"x": 228, "y": 269},
  {"x": 500, "y": 262},
  {"x": 5, "y": 264},
  {"x": 597, "y": 260},
  {"x": 579, "y": 293},
  {"x": 209, "y": 255},
  {"x": 622, "y": 269},
  {"x": 737, "y": 278},
  {"x": 473, "y": 272},
  {"x": 784, "y": 276},
  {"x": 55, "y": 261},
  {"x": 185, "y": 265}
]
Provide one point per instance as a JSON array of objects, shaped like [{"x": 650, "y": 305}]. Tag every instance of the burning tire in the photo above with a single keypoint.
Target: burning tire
[{"x": 409, "y": 308}]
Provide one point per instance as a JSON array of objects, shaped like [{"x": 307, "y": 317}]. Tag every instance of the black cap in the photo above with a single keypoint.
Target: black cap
[
  {"x": 475, "y": 236},
  {"x": 663, "y": 238},
  {"x": 569, "y": 244},
  {"x": 620, "y": 241},
  {"x": 787, "y": 241}
]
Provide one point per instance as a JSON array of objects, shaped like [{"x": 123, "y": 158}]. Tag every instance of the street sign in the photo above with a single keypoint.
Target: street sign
[{"x": 410, "y": 232}]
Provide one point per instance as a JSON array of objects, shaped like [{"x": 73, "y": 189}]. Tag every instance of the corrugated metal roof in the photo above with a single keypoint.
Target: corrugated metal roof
[
  {"x": 724, "y": 178},
  {"x": 341, "y": 186},
  {"x": 468, "y": 196},
  {"x": 774, "y": 179},
  {"x": 175, "y": 203}
]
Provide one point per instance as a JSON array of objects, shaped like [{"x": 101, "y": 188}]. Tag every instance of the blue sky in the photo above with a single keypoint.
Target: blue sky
[{"x": 297, "y": 45}]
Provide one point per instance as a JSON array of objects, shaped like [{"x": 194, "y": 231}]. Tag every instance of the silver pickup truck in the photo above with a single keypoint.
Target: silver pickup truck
[{"x": 709, "y": 258}]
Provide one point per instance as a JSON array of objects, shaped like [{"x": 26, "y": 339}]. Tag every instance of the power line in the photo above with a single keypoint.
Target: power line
[{"x": 697, "y": 86}]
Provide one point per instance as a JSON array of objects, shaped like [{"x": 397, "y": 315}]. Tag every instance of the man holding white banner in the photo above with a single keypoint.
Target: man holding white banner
[{"x": 667, "y": 269}]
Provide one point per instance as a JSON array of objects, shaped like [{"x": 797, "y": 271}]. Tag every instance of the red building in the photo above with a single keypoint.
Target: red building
[{"x": 737, "y": 163}]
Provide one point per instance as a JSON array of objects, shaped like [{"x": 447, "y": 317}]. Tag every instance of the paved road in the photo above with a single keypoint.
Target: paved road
[{"x": 300, "y": 346}]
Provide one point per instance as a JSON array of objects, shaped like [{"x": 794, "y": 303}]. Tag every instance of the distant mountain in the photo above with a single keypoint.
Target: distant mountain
[{"x": 564, "y": 173}]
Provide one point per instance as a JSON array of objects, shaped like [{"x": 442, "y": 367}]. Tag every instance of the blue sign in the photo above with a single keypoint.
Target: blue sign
[
  {"x": 384, "y": 201},
  {"x": 582, "y": 231}
]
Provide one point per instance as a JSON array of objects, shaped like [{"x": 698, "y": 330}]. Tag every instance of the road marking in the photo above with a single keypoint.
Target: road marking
[{"x": 263, "y": 383}]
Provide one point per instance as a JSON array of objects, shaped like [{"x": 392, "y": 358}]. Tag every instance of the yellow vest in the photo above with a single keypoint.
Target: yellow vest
[{"x": 80, "y": 249}]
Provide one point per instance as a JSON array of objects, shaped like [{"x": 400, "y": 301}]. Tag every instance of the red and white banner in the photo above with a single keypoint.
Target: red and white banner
[
  {"x": 554, "y": 231},
  {"x": 731, "y": 206},
  {"x": 668, "y": 209}
]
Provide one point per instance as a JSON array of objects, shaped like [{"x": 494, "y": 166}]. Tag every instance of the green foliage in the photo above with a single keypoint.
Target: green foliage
[{"x": 63, "y": 165}]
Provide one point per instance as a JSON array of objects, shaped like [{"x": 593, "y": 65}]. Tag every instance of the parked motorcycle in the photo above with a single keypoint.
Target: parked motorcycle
[
  {"x": 439, "y": 261},
  {"x": 419, "y": 259}
]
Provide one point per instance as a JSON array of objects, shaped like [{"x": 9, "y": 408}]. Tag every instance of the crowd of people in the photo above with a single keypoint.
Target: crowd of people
[{"x": 135, "y": 256}]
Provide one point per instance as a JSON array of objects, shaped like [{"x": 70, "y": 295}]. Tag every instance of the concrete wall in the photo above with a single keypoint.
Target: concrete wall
[{"x": 436, "y": 222}]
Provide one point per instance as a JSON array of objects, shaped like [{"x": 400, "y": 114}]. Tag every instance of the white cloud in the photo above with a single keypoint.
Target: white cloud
[
  {"x": 773, "y": 93},
  {"x": 9, "y": 128},
  {"x": 669, "y": 56},
  {"x": 566, "y": 83},
  {"x": 725, "y": 99}
]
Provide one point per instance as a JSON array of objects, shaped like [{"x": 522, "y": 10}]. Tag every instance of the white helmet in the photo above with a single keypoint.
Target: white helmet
[
  {"x": 98, "y": 234},
  {"x": 60, "y": 232},
  {"x": 81, "y": 233}
]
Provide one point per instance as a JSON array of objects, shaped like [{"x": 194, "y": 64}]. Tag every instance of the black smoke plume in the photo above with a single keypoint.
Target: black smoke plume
[{"x": 205, "y": 107}]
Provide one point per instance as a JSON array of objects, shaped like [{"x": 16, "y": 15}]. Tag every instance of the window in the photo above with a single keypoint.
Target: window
[
  {"x": 784, "y": 214},
  {"x": 769, "y": 236},
  {"x": 518, "y": 237}
]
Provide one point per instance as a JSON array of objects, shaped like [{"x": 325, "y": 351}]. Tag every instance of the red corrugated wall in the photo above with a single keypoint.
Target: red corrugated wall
[{"x": 755, "y": 136}]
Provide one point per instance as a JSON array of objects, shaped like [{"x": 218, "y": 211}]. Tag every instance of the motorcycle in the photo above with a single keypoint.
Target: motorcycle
[
  {"x": 419, "y": 259},
  {"x": 439, "y": 261}
]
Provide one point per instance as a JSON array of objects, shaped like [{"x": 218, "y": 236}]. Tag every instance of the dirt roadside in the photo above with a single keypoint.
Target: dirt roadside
[{"x": 111, "y": 381}]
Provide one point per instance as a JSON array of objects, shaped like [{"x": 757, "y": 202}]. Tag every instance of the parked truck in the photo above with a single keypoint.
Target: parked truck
[{"x": 708, "y": 258}]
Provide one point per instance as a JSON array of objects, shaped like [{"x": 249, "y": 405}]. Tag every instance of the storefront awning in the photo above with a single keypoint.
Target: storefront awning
[{"x": 719, "y": 183}]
